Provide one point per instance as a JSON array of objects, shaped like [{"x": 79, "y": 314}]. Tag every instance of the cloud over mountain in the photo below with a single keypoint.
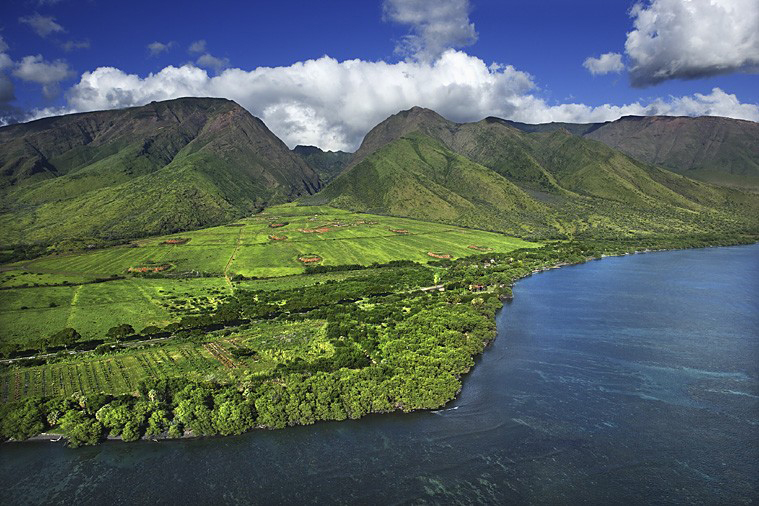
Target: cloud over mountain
[{"x": 332, "y": 104}]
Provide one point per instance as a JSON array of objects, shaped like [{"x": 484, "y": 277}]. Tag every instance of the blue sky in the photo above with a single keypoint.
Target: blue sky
[{"x": 54, "y": 52}]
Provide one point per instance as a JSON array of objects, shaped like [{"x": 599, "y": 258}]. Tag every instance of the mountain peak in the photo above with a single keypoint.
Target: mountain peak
[
  {"x": 419, "y": 111},
  {"x": 400, "y": 124}
]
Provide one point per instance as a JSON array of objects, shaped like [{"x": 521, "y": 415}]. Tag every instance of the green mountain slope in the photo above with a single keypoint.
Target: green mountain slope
[
  {"x": 159, "y": 168},
  {"x": 719, "y": 150},
  {"x": 723, "y": 151},
  {"x": 537, "y": 185},
  {"x": 419, "y": 177}
]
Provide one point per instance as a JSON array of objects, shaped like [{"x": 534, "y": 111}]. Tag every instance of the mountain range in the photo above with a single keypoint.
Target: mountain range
[
  {"x": 160, "y": 168},
  {"x": 718, "y": 150},
  {"x": 548, "y": 183},
  {"x": 195, "y": 162}
]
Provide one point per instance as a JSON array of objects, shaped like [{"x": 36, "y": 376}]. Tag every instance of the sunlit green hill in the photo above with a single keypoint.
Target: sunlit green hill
[{"x": 493, "y": 176}]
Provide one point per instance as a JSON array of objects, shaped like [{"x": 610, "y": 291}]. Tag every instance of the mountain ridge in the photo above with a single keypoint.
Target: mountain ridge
[
  {"x": 710, "y": 148},
  {"x": 159, "y": 168},
  {"x": 576, "y": 185}
]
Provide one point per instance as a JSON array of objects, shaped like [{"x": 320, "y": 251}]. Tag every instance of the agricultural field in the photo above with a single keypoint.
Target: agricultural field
[
  {"x": 91, "y": 309},
  {"x": 158, "y": 280},
  {"x": 270, "y": 243},
  {"x": 245, "y": 354}
]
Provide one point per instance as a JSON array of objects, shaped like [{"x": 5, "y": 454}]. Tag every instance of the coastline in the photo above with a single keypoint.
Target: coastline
[{"x": 58, "y": 437}]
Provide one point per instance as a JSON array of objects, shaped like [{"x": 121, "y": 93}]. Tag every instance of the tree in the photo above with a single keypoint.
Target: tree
[
  {"x": 114, "y": 417},
  {"x": 157, "y": 423},
  {"x": 22, "y": 421},
  {"x": 120, "y": 332},
  {"x": 65, "y": 337},
  {"x": 81, "y": 429},
  {"x": 150, "y": 330}
]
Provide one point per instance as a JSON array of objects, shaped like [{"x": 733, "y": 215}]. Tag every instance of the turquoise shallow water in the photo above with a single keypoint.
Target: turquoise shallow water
[{"x": 626, "y": 380}]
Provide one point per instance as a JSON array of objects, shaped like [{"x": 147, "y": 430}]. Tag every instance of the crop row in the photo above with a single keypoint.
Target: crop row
[{"x": 119, "y": 374}]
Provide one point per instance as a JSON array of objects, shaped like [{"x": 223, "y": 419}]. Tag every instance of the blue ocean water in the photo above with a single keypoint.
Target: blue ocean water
[{"x": 629, "y": 380}]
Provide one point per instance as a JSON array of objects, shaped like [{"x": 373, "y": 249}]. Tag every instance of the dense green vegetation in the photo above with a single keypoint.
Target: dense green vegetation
[{"x": 265, "y": 357}]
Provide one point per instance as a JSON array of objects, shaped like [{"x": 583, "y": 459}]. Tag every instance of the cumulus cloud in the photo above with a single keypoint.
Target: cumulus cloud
[
  {"x": 676, "y": 39},
  {"x": 42, "y": 25},
  {"x": 3, "y": 44},
  {"x": 604, "y": 64},
  {"x": 38, "y": 70},
  {"x": 435, "y": 25},
  {"x": 156, "y": 48},
  {"x": 332, "y": 104}
]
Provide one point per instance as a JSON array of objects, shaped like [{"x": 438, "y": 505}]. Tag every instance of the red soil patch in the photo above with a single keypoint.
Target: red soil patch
[
  {"x": 158, "y": 268},
  {"x": 439, "y": 255},
  {"x": 309, "y": 259},
  {"x": 479, "y": 248},
  {"x": 401, "y": 231},
  {"x": 277, "y": 237},
  {"x": 177, "y": 240},
  {"x": 276, "y": 225},
  {"x": 319, "y": 230}
]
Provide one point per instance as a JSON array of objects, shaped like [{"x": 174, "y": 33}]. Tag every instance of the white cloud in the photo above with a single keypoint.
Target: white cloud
[
  {"x": 199, "y": 46},
  {"x": 716, "y": 103},
  {"x": 604, "y": 64},
  {"x": 436, "y": 25},
  {"x": 677, "y": 39},
  {"x": 156, "y": 48},
  {"x": 37, "y": 70},
  {"x": 42, "y": 25},
  {"x": 333, "y": 104},
  {"x": 3, "y": 45}
]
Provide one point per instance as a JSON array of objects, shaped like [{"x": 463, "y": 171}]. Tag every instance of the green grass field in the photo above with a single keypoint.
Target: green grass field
[{"x": 243, "y": 247}]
